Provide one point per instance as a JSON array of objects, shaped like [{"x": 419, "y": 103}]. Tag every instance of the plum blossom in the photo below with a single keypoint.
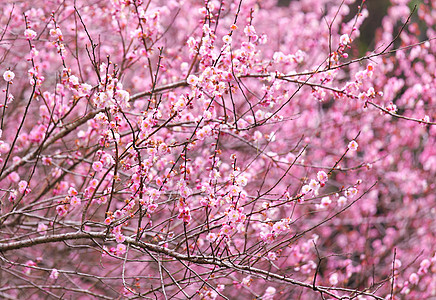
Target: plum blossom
[
  {"x": 8, "y": 76},
  {"x": 322, "y": 177},
  {"x": 54, "y": 274},
  {"x": 204, "y": 132},
  {"x": 29, "y": 265},
  {"x": 4, "y": 147},
  {"x": 14, "y": 177},
  {"x": 342, "y": 201},
  {"x": 325, "y": 203},
  {"x": 108, "y": 220},
  {"x": 426, "y": 119},
  {"x": 22, "y": 186},
  {"x": 121, "y": 249},
  {"x": 93, "y": 183},
  {"x": 272, "y": 255},
  {"x": 280, "y": 227},
  {"x": 269, "y": 293},
  {"x": 344, "y": 39},
  {"x": 227, "y": 39},
  {"x": 192, "y": 80},
  {"x": 226, "y": 230},
  {"x": 424, "y": 266},
  {"x": 72, "y": 192},
  {"x": 351, "y": 193},
  {"x": 249, "y": 30},
  {"x": 97, "y": 166},
  {"x": 56, "y": 33},
  {"x": 333, "y": 279},
  {"x": 61, "y": 210},
  {"x": 42, "y": 228},
  {"x": 29, "y": 34},
  {"x": 75, "y": 201},
  {"x": 391, "y": 108},
  {"x": 185, "y": 214},
  {"x": 242, "y": 180},
  {"x": 246, "y": 281},
  {"x": 305, "y": 189},
  {"x": 233, "y": 216},
  {"x": 120, "y": 238},
  {"x": 353, "y": 145},
  {"x": 397, "y": 264},
  {"x": 211, "y": 237},
  {"x": 414, "y": 278},
  {"x": 314, "y": 186}
]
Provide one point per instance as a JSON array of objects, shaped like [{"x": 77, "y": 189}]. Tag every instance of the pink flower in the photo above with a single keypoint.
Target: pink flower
[
  {"x": 267, "y": 237},
  {"x": 22, "y": 185},
  {"x": 351, "y": 193},
  {"x": 56, "y": 33},
  {"x": 272, "y": 255},
  {"x": 8, "y": 76},
  {"x": 269, "y": 293},
  {"x": 47, "y": 161},
  {"x": 42, "y": 228},
  {"x": 152, "y": 207},
  {"x": 325, "y": 202},
  {"x": 61, "y": 210},
  {"x": 203, "y": 132},
  {"x": 72, "y": 192},
  {"x": 192, "y": 80},
  {"x": 233, "y": 216},
  {"x": 211, "y": 237},
  {"x": 101, "y": 118},
  {"x": 322, "y": 176},
  {"x": 54, "y": 274},
  {"x": 97, "y": 166},
  {"x": 391, "y": 108},
  {"x": 4, "y": 147},
  {"x": 121, "y": 249},
  {"x": 397, "y": 264},
  {"x": 314, "y": 185},
  {"x": 14, "y": 177},
  {"x": 37, "y": 133},
  {"x": 333, "y": 279},
  {"x": 247, "y": 281},
  {"x": 120, "y": 238},
  {"x": 241, "y": 180},
  {"x": 426, "y": 119},
  {"x": 86, "y": 89},
  {"x": 29, "y": 34},
  {"x": 93, "y": 183},
  {"x": 75, "y": 201},
  {"x": 370, "y": 92},
  {"x": 118, "y": 214},
  {"x": 226, "y": 230},
  {"x": 227, "y": 39},
  {"x": 29, "y": 265},
  {"x": 353, "y": 145},
  {"x": 342, "y": 201},
  {"x": 279, "y": 227},
  {"x": 257, "y": 135},
  {"x": 424, "y": 266},
  {"x": 344, "y": 39},
  {"x": 414, "y": 278},
  {"x": 305, "y": 189},
  {"x": 249, "y": 30},
  {"x": 362, "y": 96},
  {"x": 185, "y": 215}
]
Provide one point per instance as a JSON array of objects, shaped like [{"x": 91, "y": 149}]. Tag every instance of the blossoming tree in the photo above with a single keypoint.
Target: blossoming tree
[{"x": 216, "y": 149}]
